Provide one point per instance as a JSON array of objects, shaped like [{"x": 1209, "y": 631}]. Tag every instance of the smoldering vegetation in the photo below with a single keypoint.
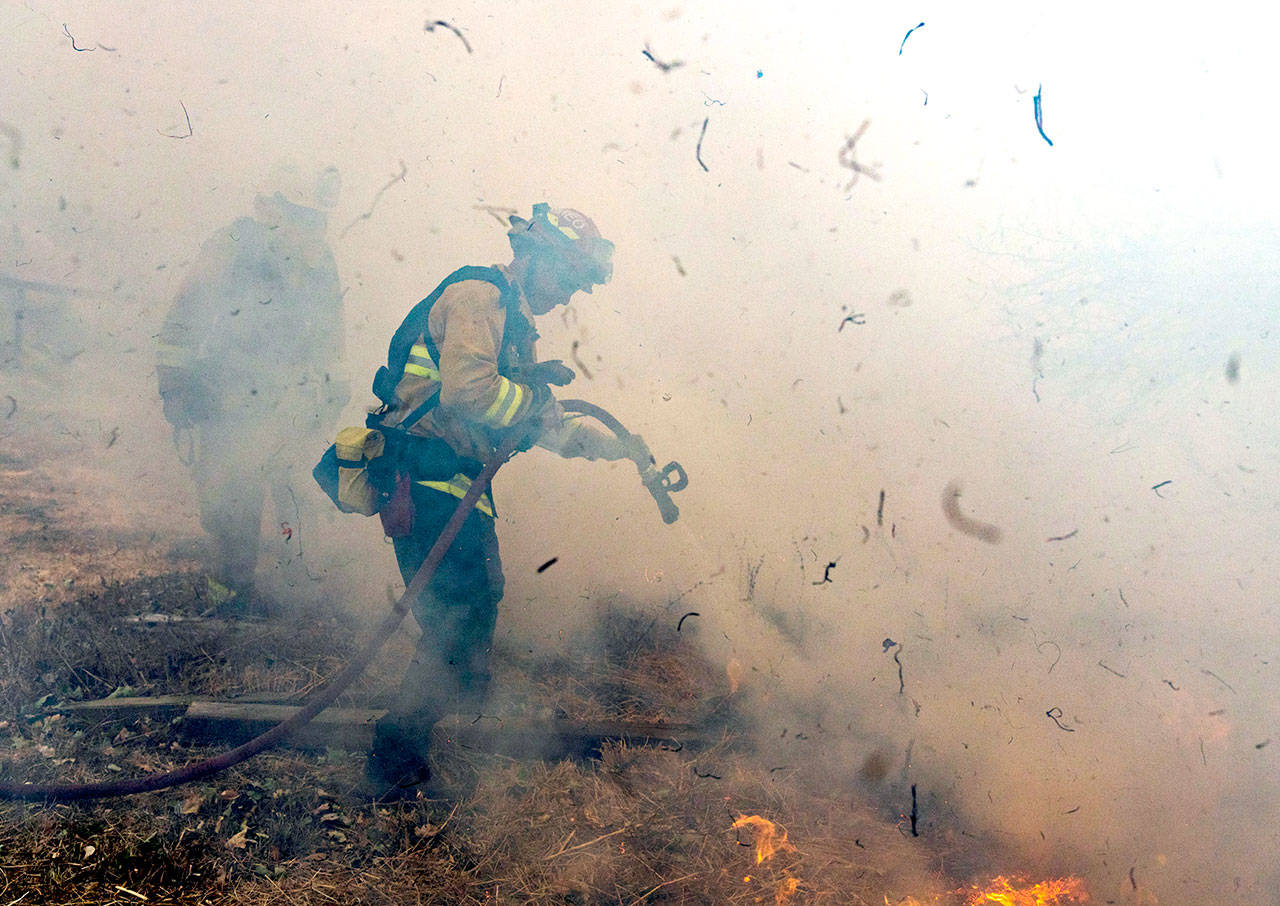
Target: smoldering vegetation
[{"x": 850, "y": 272}]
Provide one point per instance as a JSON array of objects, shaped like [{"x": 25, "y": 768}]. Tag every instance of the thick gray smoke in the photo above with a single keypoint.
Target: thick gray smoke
[{"x": 993, "y": 407}]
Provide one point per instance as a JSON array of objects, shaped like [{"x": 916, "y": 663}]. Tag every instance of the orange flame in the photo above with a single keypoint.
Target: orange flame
[
  {"x": 786, "y": 889},
  {"x": 770, "y": 839},
  {"x": 1046, "y": 893}
]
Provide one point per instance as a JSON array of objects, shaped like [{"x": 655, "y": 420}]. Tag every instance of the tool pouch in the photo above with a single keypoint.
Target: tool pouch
[
  {"x": 346, "y": 472},
  {"x": 396, "y": 511}
]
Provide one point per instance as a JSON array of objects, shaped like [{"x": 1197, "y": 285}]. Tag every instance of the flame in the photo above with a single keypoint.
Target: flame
[
  {"x": 786, "y": 889},
  {"x": 1002, "y": 891},
  {"x": 1046, "y": 893},
  {"x": 770, "y": 839}
]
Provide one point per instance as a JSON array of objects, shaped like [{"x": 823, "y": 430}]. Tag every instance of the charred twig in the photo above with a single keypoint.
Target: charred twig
[
  {"x": 440, "y": 23},
  {"x": 499, "y": 214},
  {"x": 1054, "y": 714},
  {"x": 66, "y": 31},
  {"x": 856, "y": 317},
  {"x": 692, "y": 613},
  {"x": 1219, "y": 679},
  {"x": 573, "y": 351},
  {"x": 983, "y": 531},
  {"x": 915, "y": 812},
  {"x": 544, "y": 567},
  {"x": 826, "y": 574},
  {"x": 847, "y": 160},
  {"x": 907, "y": 35},
  {"x": 1040, "y": 645},
  {"x": 665, "y": 67},
  {"x": 1040, "y": 115},
  {"x": 698, "y": 150},
  {"x": 190, "y": 131},
  {"x": 404, "y": 171}
]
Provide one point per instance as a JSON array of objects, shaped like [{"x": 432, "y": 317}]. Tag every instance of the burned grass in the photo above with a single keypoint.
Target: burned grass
[{"x": 636, "y": 824}]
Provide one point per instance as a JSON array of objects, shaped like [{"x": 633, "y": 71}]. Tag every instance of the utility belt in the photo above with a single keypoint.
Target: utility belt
[{"x": 372, "y": 470}]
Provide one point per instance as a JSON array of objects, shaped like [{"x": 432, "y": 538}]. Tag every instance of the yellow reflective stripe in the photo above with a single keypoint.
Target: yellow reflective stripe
[
  {"x": 567, "y": 230},
  {"x": 458, "y": 487},
  {"x": 421, "y": 371},
  {"x": 421, "y": 363},
  {"x": 505, "y": 405},
  {"x": 509, "y": 416}
]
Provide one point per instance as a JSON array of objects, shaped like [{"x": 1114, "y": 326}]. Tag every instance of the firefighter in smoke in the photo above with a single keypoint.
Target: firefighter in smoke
[
  {"x": 247, "y": 368},
  {"x": 462, "y": 371}
]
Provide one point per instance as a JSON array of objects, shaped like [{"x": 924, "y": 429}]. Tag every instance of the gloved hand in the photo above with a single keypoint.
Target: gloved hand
[
  {"x": 552, "y": 371},
  {"x": 635, "y": 449}
]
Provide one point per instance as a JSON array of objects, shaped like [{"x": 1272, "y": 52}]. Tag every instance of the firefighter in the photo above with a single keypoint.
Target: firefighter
[
  {"x": 248, "y": 369},
  {"x": 462, "y": 371}
]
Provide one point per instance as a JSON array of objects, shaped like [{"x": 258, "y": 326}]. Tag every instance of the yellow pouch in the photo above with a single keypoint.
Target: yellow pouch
[{"x": 356, "y": 448}]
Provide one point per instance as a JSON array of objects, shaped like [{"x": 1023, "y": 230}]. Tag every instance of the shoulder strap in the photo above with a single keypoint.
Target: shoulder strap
[{"x": 415, "y": 325}]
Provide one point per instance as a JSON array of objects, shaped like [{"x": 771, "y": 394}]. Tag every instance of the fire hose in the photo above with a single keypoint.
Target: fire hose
[
  {"x": 660, "y": 486},
  {"x": 661, "y": 483}
]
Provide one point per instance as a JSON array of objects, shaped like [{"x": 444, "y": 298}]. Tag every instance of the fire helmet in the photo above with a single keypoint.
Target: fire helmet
[{"x": 569, "y": 235}]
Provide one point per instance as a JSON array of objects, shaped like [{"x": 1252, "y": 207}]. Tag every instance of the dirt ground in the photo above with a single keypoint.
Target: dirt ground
[{"x": 632, "y": 824}]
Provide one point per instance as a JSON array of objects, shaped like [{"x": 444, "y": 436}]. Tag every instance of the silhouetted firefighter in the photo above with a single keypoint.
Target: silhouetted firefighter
[{"x": 249, "y": 362}]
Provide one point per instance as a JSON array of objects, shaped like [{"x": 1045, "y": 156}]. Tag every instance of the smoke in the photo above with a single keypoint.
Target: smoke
[{"x": 1076, "y": 336}]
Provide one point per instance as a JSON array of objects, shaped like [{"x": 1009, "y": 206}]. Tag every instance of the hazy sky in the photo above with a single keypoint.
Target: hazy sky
[{"x": 1050, "y": 326}]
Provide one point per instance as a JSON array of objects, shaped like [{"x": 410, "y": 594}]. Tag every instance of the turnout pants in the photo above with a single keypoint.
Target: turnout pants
[{"x": 457, "y": 611}]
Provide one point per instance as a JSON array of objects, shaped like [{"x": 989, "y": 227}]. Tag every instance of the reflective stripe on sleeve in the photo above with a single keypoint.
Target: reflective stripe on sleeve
[
  {"x": 458, "y": 486},
  {"x": 421, "y": 363},
  {"x": 506, "y": 404}
]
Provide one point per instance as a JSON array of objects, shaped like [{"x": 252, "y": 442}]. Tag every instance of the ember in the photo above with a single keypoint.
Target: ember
[{"x": 770, "y": 839}]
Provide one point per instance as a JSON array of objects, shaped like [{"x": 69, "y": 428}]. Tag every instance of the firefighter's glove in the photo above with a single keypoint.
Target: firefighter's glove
[
  {"x": 635, "y": 449},
  {"x": 552, "y": 371}
]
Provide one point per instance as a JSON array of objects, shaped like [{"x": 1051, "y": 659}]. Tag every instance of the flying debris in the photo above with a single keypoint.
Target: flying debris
[
  {"x": 847, "y": 160},
  {"x": 983, "y": 531},
  {"x": 440, "y": 23},
  {"x": 907, "y": 35},
  {"x": 1040, "y": 116}
]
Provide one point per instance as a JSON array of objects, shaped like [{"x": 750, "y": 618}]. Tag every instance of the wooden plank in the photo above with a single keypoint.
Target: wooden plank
[
  {"x": 161, "y": 707},
  {"x": 237, "y": 722},
  {"x": 215, "y": 721},
  {"x": 133, "y": 707}
]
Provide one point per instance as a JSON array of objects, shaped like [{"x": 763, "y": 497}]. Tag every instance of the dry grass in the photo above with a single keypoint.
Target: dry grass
[{"x": 638, "y": 825}]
